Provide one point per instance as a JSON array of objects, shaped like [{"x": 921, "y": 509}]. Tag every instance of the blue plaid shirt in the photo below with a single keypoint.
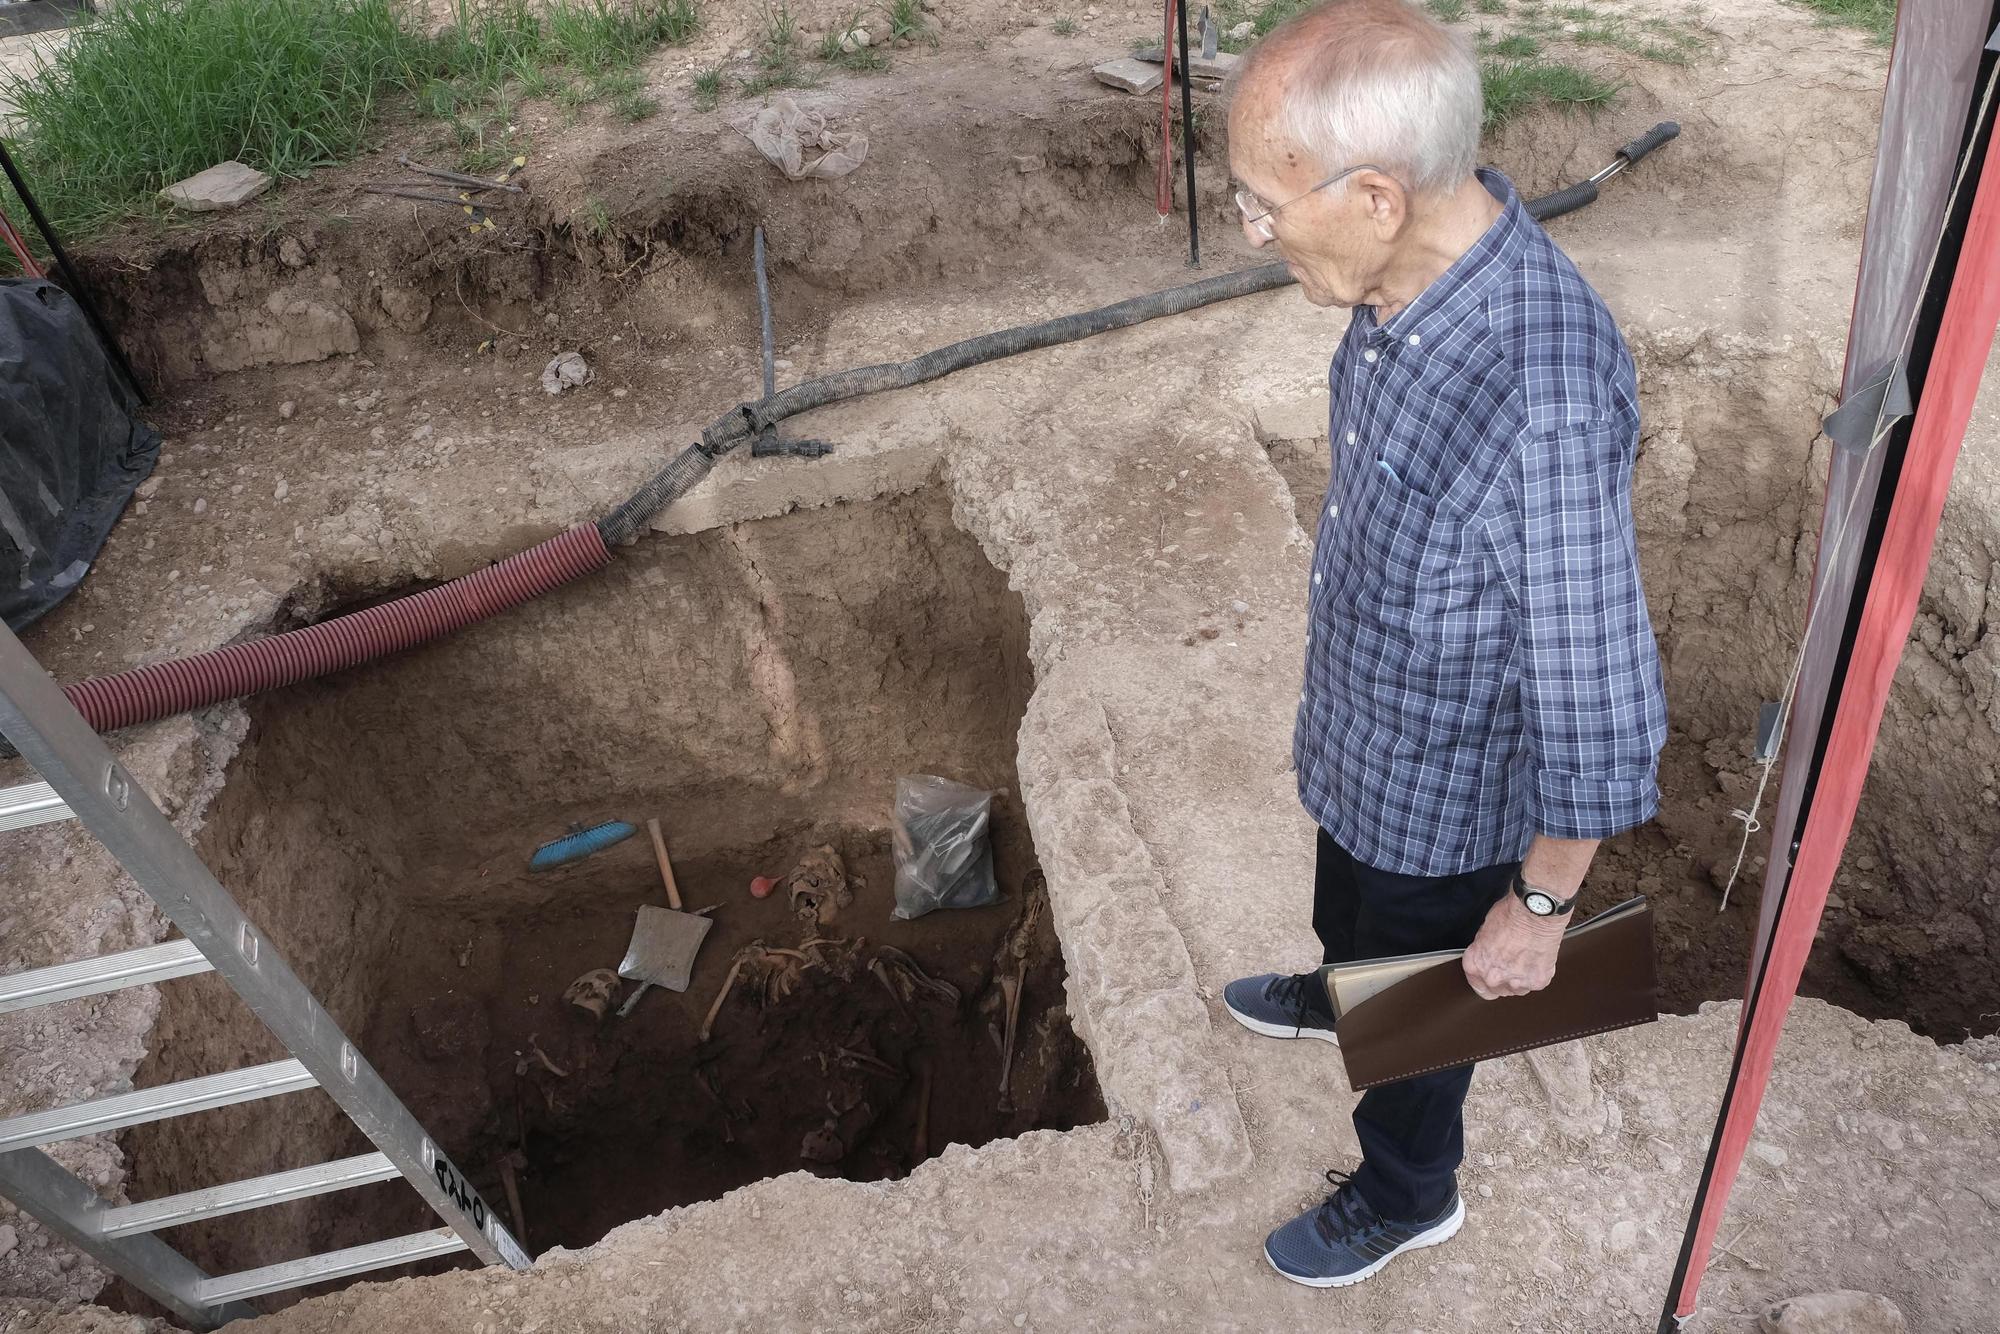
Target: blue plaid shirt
[{"x": 1480, "y": 667}]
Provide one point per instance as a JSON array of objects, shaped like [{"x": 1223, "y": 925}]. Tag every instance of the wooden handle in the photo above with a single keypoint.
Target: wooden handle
[{"x": 666, "y": 867}]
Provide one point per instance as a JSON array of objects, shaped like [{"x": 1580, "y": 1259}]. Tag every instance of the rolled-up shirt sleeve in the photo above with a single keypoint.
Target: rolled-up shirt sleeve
[{"x": 1592, "y": 702}]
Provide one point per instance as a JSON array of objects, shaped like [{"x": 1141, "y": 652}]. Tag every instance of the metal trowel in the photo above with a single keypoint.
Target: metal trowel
[{"x": 664, "y": 940}]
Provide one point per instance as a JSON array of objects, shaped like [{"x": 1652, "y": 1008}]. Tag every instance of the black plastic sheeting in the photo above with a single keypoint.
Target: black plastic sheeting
[{"x": 73, "y": 452}]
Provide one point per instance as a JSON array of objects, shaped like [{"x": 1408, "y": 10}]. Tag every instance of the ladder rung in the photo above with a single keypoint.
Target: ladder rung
[
  {"x": 30, "y": 804},
  {"x": 87, "y": 977},
  {"x": 332, "y": 1265},
  {"x": 155, "y": 1104},
  {"x": 255, "y": 1193}
]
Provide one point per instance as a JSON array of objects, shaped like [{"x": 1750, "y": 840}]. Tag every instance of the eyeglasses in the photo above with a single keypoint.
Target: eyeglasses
[{"x": 1257, "y": 214}]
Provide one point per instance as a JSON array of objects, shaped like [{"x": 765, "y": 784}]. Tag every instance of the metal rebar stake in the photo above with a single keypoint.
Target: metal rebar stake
[
  {"x": 767, "y": 444},
  {"x": 1187, "y": 134},
  {"x": 764, "y": 314}
]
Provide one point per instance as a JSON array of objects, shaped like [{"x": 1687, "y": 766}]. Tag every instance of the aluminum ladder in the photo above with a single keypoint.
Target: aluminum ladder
[{"x": 83, "y": 780}]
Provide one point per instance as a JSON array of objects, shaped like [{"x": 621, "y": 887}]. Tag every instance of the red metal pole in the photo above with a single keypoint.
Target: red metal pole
[{"x": 1163, "y": 182}]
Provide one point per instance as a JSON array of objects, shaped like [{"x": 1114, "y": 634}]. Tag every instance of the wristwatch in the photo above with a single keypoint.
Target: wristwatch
[{"x": 1539, "y": 901}]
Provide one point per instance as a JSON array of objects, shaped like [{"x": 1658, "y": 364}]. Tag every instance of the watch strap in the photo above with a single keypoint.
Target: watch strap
[{"x": 1522, "y": 889}]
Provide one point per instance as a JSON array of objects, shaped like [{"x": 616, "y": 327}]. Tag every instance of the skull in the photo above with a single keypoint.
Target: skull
[
  {"x": 818, "y": 886},
  {"x": 592, "y": 992}
]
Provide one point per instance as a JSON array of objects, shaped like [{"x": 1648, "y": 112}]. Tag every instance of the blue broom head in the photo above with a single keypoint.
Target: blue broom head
[{"x": 575, "y": 846}]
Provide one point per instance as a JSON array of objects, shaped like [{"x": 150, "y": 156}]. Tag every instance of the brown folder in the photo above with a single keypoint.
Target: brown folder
[{"x": 1416, "y": 1013}]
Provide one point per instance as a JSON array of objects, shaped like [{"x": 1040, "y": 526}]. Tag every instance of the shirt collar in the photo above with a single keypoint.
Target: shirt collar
[{"x": 1455, "y": 293}]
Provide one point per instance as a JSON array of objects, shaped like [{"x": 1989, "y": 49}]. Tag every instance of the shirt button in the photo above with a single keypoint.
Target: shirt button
[
  {"x": 1333, "y": 511},
  {"x": 1350, "y": 437},
  {"x": 1302, "y": 697},
  {"x": 1369, "y": 355},
  {"x": 1414, "y": 340},
  {"x": 1315, "y": 576}
]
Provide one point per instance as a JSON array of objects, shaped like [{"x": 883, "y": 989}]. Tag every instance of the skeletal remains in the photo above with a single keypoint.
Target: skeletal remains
[{"x": 818, "y": 889}]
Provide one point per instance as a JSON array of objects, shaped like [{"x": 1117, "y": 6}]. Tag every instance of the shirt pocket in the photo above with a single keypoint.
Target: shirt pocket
[{"x": 1416, "y": 566}]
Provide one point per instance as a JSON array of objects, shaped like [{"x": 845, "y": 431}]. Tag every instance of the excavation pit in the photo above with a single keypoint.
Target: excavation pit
[{"x": 758, "y": 688}]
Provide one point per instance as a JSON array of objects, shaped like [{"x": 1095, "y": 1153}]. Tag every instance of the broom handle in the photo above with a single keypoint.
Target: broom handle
[{"x": 666, "y": 867}]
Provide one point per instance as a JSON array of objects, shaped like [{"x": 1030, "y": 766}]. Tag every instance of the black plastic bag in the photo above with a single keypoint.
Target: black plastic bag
[
  {"x": 74, "y": 451},
  {"x": 944, "y": 854}
]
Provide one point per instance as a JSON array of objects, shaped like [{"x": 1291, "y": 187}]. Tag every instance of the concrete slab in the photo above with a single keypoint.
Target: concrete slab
[
  {"x": 225, "y": 185},
  {"x": 1128, "y": 75}
]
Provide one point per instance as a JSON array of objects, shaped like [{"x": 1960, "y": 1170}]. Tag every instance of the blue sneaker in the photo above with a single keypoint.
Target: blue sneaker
[
  {"x": 1281, "y": 1005},
  {"x": 1344, "y": 1240}
]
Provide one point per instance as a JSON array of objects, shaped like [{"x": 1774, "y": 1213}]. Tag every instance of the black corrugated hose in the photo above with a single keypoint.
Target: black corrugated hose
[{"x": 747, "y": 420}]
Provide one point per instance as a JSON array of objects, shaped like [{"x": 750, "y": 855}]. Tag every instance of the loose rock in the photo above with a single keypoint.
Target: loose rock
[
  {"x": 1242, "y": 32},
  {"x": 1842, "y": 1312},
  {"x": 567, "y": 371}
]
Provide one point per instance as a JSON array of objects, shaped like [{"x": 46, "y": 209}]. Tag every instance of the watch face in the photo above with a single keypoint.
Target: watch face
[{"x": 1540, "y": 904}]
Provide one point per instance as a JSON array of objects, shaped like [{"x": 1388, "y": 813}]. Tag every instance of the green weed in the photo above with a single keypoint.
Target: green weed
[
  {"x": 1877, "y": 18},
  {"x": 1446, "y": 11},
  {"x": 863, "y": 59},
  {"x": 1263, "y": 14},
  {"x": 708, "y": 88},
  {"x": 1514, "y": 86},
  {"x": 778, "y": 57},
  {"x": 906, "y": 23},
  {"x": 1065, "y": 26}
]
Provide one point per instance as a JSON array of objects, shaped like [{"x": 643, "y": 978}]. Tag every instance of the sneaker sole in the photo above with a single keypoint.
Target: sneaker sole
[
  {"x": 1434, "y": 1236},
  {"x": 1270, "y": 1030}
]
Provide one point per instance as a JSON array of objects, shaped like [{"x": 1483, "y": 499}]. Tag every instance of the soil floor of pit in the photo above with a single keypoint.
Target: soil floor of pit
[
  {"x": 1123, "y": 486},
  {"x": 637, "y": 1115}
]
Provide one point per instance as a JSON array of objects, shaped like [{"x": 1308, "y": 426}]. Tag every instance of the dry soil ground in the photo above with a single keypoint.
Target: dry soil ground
[{"x": 353, "y": 407}]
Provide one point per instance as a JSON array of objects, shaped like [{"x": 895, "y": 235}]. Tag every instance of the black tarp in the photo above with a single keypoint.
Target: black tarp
[{"x": 74, "y": 451}]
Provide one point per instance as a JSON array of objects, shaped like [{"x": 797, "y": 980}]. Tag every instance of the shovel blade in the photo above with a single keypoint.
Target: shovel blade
[{"x": 664, "y": 943}]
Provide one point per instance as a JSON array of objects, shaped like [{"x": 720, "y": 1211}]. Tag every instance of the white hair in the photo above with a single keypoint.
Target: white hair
[{"x": 1380, "y": 81}]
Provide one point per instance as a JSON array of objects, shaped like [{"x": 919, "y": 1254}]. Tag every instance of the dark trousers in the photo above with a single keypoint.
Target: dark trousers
[{"x": 1412, "y": 1132}]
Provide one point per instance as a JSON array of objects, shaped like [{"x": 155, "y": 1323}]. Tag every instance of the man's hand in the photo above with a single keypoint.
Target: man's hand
[{"x": 1514, "y": 952}]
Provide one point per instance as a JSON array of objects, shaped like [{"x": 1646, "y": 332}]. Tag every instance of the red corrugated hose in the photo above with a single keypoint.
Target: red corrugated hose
[{"x": 162, "y": 689}]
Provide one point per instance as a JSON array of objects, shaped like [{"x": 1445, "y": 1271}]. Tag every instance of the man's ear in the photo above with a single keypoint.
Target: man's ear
[{"x": 1387, "y": 205}]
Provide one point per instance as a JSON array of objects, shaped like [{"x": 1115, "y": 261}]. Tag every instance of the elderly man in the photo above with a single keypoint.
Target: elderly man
[{"x": 1482, "y": 690}]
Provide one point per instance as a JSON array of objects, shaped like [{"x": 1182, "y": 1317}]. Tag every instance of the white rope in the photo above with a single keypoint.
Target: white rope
[{"x": 1749, "y": 818}]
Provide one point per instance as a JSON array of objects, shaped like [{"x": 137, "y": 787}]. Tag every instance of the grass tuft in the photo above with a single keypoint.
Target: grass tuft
[
  {"x": 708, "y": 88},
  {"x": 1446, "y": 11},
  {"x": 1514, "y": 86},
  {"x": 1263, "y": 15},
  {"x": 906, "y": 23},
  {"x": 778, "y": 56},
  {"x": 863, "y": 59},
  {"x": 1515, "y": 46},
  {"x": 1877, "y": 18},
  {"x": 1065, "y": 26}
]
